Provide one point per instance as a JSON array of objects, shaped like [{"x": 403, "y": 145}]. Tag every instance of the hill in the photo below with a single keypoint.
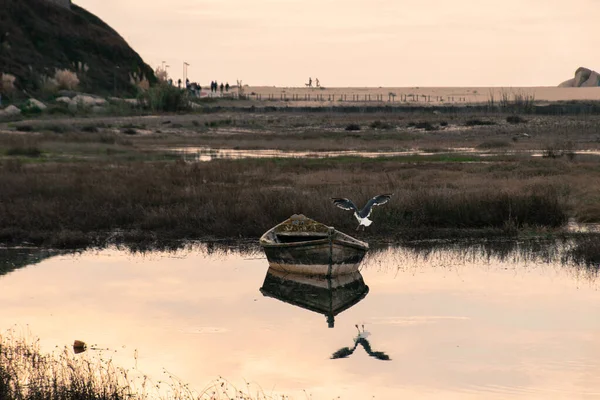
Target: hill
[{"x": 38, "y": 37}]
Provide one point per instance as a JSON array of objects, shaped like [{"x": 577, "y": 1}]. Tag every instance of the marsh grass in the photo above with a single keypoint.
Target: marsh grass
[
  {"x": 28, "y": 373},
  {"x": 378, "y": 124},
  {"x": 78, "y": 204},
  {"x": 24, "y": 150},
  {"x": 494, "y": 144},
  {"x": 586, "y": 252}
]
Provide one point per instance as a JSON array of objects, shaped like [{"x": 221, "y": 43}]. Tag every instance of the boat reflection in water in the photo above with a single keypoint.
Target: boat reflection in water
[{"x": 327, "y": 296}]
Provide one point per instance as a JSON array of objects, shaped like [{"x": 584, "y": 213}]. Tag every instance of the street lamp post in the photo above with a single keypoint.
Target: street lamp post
[{"x": 185, "y": 65}]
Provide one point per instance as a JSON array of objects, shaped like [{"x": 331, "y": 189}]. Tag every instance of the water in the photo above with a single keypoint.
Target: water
[
  {"x": 495, "y": 320},
  {"x": 209, "y": 154}
]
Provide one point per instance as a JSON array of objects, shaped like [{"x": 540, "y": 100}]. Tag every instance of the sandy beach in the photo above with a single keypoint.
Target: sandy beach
[{"x": 433, "y": 95}]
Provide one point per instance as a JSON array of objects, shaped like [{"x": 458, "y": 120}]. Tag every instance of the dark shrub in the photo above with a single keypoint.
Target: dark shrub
[
  {"x": 479, "y": 122},
  {"x": 515, "y": 119},
  {"x": 353, "y": 127},
  {"x": 129, "y": 131},
  {"x": 24, "y": 128},
  {"x": 164, "y": 97},
  {"x": 26, "y": 151},
  {"x": 380, "y": 125},
  {"x": 90, "y": 129},
  {"x": 425, "y": 125}
]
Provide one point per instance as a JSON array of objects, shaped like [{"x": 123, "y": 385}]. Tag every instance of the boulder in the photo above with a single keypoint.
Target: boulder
[
  {"x": 569, "y": 83},
  {"x": 11, "y": 110},
  {"x": 584, "y": 77},
  {"x": 98, "y": 109},
  {"x": 83, "y": 101},
  {"x": 33, "y": 103},
  {"x": 64, "y": 99}
]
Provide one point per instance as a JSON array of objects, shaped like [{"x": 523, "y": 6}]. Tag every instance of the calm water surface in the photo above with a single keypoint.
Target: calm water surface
[{"x": 460, "y": 322}]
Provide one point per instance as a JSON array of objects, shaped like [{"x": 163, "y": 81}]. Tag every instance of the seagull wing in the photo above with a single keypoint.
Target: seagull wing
[
  {"x": 375, "y": 201},
  {"x": 344, "y": 204}
]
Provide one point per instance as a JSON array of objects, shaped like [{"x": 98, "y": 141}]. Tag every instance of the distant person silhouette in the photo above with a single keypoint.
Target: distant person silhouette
[
  {"x": 317, "y": 84},
  {"x": 222, "y": 87},
  {"x": 309, "y": 84},
  {"x": 227, "y": 87}
]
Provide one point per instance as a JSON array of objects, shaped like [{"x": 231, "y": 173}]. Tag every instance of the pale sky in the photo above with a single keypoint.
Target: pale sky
[{"x": 353, "y": 43}]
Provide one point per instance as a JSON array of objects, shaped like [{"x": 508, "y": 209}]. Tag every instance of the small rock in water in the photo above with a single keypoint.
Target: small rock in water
[{"x": 79, "y": 346}]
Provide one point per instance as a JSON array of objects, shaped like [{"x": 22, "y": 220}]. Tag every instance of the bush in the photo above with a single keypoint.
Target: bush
[
  {"x": 559, "y": 149},
  {"x": 7, "y": 84},
  {"x": 24, "y": 128},
  {"x": 66, "y": 79},
  {"x": 428, "y": 126},
  {"x": 90, "y": 129},
  {"x": 166, "y": 98},
  {"x": 129, "y": 131},
  {"x": 479, "y": 122},
  {"x": 380, "y": 125},
  {"x": 353, "y": 127},
  {"x": 515, "y": 119},
  {"x": 26, "y": 151},
  {"x": 494, "y": 144}
]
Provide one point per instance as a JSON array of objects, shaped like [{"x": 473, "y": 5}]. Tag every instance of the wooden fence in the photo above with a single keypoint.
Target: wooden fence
[{"x": 362, "y": 98}]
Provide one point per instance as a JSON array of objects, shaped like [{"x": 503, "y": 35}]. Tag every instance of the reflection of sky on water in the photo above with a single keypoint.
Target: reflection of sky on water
[
  {"x": 456, "y": 324},
  {"x": 204, "y": 154}
]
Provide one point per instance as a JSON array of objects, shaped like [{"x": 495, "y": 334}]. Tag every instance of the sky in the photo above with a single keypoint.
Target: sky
[{"x": 358, "y": 43}]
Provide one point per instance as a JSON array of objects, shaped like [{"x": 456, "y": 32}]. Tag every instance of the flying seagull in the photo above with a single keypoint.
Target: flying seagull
[{"x": 362, "y": 215}]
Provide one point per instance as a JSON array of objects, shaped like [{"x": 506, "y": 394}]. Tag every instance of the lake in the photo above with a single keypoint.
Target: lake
[{"x": 492, "y": 320}]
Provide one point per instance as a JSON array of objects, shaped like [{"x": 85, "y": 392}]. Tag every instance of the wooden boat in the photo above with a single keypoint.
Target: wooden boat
[
  {"x": 327, "y": 296},
  {"x": 301, "y": 245}
]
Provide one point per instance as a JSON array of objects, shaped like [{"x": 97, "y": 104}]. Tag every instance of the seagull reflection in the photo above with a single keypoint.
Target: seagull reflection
[{"x": 361, "y": 339}]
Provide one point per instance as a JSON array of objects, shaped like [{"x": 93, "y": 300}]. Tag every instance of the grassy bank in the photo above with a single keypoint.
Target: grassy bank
[
  {"x": 28, "y": 373},
  {"x": 80, "y": 204},
  {"x": 81, "y": 182}
]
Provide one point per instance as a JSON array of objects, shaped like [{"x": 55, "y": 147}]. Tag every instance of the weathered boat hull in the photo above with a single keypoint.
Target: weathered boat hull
[
  {"x": 320, "y": 259},
  {"x": 301, "y": 245}
]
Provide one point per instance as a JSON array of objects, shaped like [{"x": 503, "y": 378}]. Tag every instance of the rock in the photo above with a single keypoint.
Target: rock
[
  {"x": 33, "y": 103},
  {"x": 11, "y": 110},
  {"x": 83, "y": 101},
  {"x": 98, "y": 109},
  {"x": 67, "y": 93},
  {"x": 584, "y": 77},
  {"x": 64, "y": 99},
  {"x": 592, "y": 81},
  {"x": 569, "y": 83}
]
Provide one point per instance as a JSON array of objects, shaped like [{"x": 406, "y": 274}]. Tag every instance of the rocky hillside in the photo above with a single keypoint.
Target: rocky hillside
[{"x": 37, "y": 38}]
